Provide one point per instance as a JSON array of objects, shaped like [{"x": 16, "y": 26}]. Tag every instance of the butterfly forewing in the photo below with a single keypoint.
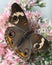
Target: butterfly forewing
[{"x": 18, "y": 17}]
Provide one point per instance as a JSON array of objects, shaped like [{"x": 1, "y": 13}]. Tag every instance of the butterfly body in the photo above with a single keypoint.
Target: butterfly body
[{"x": 20, "y": 38}]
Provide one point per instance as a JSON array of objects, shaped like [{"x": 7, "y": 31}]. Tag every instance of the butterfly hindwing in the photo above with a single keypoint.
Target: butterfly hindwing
[
  {"x": 39, "y": 43},
  {"x": 19, "y": 42}
]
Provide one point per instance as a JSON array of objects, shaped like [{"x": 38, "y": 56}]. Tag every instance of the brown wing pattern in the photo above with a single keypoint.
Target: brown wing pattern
[{"x": 18, "y": 17}]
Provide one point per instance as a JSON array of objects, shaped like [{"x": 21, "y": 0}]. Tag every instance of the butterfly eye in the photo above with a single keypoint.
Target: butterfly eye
[
  {"x": 15, "y": 18},
  {"x": 12, "y": 34}
]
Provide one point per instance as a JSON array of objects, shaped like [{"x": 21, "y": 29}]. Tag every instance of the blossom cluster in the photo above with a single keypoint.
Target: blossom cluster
[{"x": 41, "y": 26}]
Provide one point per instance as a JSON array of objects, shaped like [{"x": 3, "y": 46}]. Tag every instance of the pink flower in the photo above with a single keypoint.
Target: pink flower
[
  {"x": 2, "y": 31},
  {"x": 11, "y": 57},
  {"x": 28, "y": 14},
  {"x": 4, "y": 62},
  {"x": 1, "y": 36},
  {"x": 17, "y": 1},
  {"x": 3, "y": 45},
  {"x": 24, "y": 63},
  {"x": 49, "y": 38},
  {"x": 1, "y": 51},
  {"x": 32, "y": 19},
  {"x": 3, "y": 20},
  {"x": 32, "y": 14},
  {"x": 37, "y": 14},
  {"x": 4, "y": 16},
  {"x": 32, "y": 3},
  {"x": 2, "y": 48},
  {"x": 9, "y": 53}
]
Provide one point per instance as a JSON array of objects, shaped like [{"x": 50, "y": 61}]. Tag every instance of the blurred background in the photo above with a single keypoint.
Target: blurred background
[
  {"x": 3, "y": 4},
  {"x": 46, "y": 11}
]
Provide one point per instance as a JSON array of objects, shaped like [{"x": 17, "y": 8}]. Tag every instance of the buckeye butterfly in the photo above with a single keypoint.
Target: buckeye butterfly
[{"x": 20, "y": 38}]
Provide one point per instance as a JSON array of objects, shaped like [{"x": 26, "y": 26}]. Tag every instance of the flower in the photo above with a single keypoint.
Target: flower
[
  {"x": 3, "y": 48},
  {"x": 33, "y": 19}
]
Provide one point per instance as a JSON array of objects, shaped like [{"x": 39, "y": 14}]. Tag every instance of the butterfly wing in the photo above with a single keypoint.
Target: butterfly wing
[
  {"x": 18, "y": 41},
  {"x": 13, "y": 34},
  {"x": 25, "y": 43},
  {"x": 39, "y": 43},
  {"x": 18, "y": 17},
  {"x": 24, "y": 50}
]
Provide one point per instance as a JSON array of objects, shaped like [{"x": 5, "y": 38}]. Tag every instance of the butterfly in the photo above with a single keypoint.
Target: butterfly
[{"x": 20, "y": 37}]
